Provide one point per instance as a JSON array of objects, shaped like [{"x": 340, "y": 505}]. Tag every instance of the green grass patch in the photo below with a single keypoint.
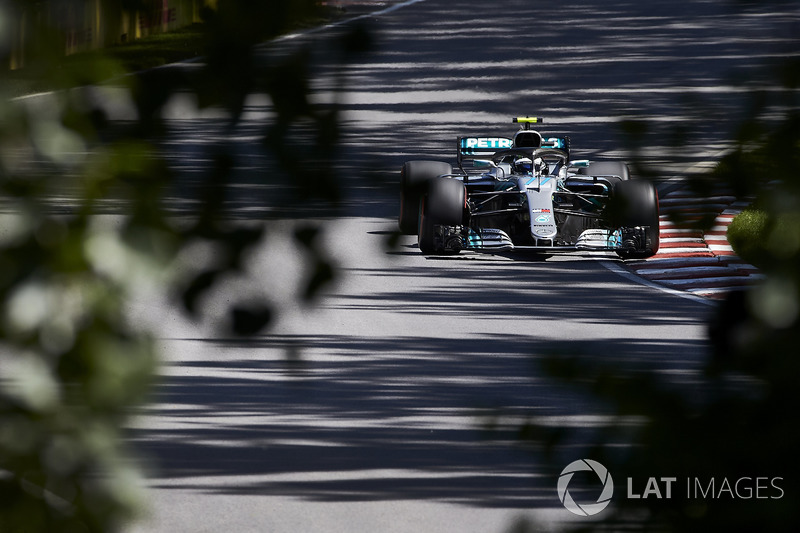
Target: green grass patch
[
  {"x": 747, "y": 234},
  {"x": 160, "y": 49},
  {"x": 762, "y": 239},
  {"x": 51, "y": 72}
]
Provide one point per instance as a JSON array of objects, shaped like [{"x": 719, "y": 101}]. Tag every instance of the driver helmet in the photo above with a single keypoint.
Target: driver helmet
[{"x": 523, "y": 165}]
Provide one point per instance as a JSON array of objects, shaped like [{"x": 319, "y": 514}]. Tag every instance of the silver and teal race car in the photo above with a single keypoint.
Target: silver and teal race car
[{"x": 525, "y": 193}]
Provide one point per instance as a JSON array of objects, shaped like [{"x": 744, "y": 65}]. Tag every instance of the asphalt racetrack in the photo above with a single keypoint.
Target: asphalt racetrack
[{"x": 368, "y": 412}]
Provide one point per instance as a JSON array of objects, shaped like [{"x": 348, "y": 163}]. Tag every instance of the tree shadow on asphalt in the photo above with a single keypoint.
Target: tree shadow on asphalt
[
  {"x": 481, "y": 286},
  {"x": 371, "y": 428},
  {"x": 410, "y": 416}
]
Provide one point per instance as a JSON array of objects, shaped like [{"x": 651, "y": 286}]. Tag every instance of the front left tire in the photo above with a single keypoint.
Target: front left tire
[
  {"x": 635, "y": 203},
  {"x": 414, "y": 177},
  {"x": 442, "y": 205}
]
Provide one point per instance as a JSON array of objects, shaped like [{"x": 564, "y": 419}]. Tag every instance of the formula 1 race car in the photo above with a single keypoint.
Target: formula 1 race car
[{"x": 524, "y": 193}]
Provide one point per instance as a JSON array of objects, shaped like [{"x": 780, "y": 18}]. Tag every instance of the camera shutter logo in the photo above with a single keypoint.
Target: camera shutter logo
[{"x": 589, "y": 509}]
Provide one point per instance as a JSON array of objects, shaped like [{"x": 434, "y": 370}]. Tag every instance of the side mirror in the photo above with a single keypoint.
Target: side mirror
[
  {"x": 580, "y": 163},
  {"x": 484, "y": 163}
]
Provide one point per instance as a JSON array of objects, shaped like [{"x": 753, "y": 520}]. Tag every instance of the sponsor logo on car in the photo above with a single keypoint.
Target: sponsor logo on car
[{"x": 486, "y": 143}]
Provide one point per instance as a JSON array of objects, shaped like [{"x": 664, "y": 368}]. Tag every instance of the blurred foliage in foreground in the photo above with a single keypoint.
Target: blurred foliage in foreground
[
  {"x": 736, "y": 419},
  {"x": 71, "y": 362}
]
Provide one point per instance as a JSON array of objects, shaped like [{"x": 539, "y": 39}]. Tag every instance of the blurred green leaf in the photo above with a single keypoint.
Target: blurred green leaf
[{"x": 88, "y": 229}]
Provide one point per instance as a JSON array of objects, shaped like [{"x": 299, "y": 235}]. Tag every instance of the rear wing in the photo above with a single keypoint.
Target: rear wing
[
  {"x": 562, "y": 143},
  {"x": 471, "y": 148},
  {"x": 481, "y": 147}
]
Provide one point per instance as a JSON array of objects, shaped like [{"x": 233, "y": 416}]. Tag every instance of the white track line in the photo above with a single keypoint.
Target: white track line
[
  {"x": 613, "y": 267},
  {"x": 347, "y": 21}
]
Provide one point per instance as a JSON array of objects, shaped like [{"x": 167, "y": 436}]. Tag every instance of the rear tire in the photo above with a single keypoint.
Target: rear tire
[
  {"x": 635, "y": 203},
  {"x": 414, "y": 176},
  {"x": 442, "y": 205}
]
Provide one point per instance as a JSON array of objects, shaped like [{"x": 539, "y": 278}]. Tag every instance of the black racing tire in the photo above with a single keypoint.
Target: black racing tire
[
  {"x": 442, "y": 204},
  {"x": 635, "y": 203},
  {"x": 414, "y": 176},
  {"x": 607, "y": 168}
]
